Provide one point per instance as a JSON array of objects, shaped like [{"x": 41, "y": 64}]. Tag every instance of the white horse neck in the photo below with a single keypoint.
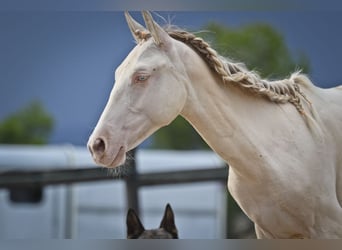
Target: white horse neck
[{"x": 236, "y": 124}]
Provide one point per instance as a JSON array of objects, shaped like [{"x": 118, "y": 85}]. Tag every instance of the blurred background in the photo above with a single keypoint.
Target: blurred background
[{"x": 56, "y": 73}]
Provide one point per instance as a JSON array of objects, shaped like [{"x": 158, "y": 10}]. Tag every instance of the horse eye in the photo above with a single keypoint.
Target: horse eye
[{"x": 140, "y": 78}]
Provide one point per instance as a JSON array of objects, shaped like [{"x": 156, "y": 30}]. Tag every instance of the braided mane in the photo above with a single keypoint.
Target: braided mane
[{"x": 279, "y": 91}]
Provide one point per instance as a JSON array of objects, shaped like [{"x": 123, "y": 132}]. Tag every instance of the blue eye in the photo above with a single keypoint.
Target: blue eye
[{"x": 140, "y": 78}]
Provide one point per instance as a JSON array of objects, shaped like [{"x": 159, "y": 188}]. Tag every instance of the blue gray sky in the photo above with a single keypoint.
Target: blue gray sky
[{"x": 66, "y": 59}]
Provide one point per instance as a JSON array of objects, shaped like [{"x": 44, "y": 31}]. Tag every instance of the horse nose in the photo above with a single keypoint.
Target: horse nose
[{"x": 98, "y": 147}]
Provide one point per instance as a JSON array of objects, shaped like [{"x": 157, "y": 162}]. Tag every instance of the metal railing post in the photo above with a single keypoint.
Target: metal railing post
[{"x": 132, "y": 184}]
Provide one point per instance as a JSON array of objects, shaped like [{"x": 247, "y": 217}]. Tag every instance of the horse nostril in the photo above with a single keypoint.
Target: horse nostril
[{"x": 99, "y": 146}]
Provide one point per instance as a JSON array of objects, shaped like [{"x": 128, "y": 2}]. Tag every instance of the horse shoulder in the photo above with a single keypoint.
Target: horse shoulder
[{"x": 328, "y": 103}]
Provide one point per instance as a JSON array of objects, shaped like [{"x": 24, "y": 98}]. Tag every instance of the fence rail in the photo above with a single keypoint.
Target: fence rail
[
  {"x": 25, "y": 179},
  {"x": 53, "y": 176},
  {"x": 28, "y": 178}
]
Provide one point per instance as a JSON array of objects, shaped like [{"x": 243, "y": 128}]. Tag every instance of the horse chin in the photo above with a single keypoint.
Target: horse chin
[
  {"x": 119, "y": 158},
  {"x": 112, "y": 162}
]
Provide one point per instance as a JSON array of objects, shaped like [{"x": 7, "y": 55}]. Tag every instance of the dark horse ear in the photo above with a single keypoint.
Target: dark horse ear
[
  {"x": 134, "y": 225},
  {"x": 168, "y": 222}
]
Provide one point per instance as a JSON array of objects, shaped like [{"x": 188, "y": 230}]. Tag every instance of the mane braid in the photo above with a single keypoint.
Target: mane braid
[{"x": 280, "y": 91}]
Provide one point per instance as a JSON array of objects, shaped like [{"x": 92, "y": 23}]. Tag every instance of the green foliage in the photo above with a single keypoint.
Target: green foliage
[
  {"x": 31, "y": 125},
  {"x": 178, "y": 135},
  {"x": 260, "y": 47}
]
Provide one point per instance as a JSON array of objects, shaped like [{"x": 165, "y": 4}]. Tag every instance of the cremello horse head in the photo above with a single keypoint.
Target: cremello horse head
[{"x": 149, "y": 92}]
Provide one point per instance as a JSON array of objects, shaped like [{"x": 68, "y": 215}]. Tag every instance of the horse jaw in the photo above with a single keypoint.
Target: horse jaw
[
  {"x": 134, "y": 110},
  {"x": 120, "y": 128}
]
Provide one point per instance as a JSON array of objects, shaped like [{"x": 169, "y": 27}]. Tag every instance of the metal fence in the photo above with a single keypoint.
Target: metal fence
[{"x": 21, "y": 181}]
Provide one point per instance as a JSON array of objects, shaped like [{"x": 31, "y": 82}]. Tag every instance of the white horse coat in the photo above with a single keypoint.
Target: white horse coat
[{"x": 283, "y": 147}]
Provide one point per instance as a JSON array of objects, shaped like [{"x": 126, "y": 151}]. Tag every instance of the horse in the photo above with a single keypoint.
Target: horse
[
  {"x": 281, "y": 138},
  {"x": 166, "y": 230}
]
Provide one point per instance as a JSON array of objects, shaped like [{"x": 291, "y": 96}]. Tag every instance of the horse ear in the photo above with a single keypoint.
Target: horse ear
[
  {"x": 138, "y": 31},
  {"x": 159, "y": 35},
  {"x": 134, "y": 225},
  {"x": 168, "y": 222}
]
